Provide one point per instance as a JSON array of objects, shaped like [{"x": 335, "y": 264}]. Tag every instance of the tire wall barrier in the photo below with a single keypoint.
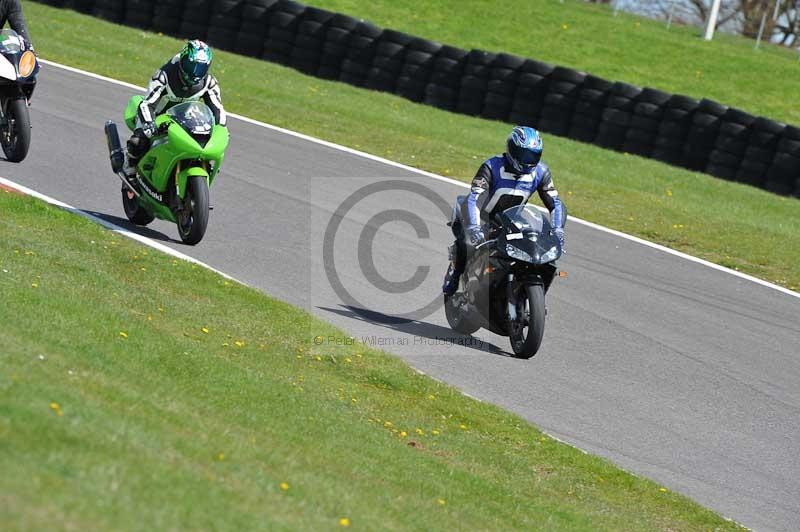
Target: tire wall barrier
[{"x": 703, "y": 135}]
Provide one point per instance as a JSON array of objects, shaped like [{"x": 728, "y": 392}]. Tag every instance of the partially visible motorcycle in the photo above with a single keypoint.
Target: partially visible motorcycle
[
  {"x": 18, "y": 69},
  {"x": 504, "y": 284},
  {"x": 173, "y": 178}
]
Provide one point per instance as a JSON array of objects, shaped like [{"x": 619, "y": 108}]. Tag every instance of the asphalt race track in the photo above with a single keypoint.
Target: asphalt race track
[{"x": 673, "y": 370}]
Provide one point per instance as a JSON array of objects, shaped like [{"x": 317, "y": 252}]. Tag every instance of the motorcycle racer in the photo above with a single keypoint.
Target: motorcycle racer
[
  {"x": 502, "y": 182},
  {"x": 184, "y": 78}
]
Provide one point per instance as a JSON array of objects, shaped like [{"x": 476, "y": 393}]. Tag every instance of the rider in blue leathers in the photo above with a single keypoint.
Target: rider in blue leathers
[{"x": 502, "y": 182}]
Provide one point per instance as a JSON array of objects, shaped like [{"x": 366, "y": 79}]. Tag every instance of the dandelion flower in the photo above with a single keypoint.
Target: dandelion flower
[
  {"x": 442, "y": 502},
  {"x": 284, "y": 486},
  {"x": 344, "y": 521},
  {"x": 464, "y": 427},
  {"x": 205, "y": 330},
  {"x": 123, "y": 334},
  {"x": 239, "y": 343},
  {"x": 431, "y": 397},
  {"x": 435, "y": 432},
  {"x": 35, "y": 285},
  {"x": 662, "y": 490},
  {"x": 403, "y": 434},
  {"x": 419, "y": 431}
]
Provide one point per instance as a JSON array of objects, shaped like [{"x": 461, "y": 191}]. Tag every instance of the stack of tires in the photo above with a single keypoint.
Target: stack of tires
[
  {"x": 616, "y": 117},
  {"x": 785, "y": 169},
  {"x": 648, "y": 112},
  {"x": 226, "y": 22},
  {"x": 475, "y": 82},
  {"x": 502, "y": 85},
  {"x": 417, "y": 69},
  {"x": 761, "y": 147},
  {"x": 167, "y": 16},
  {"x": 388, "y": 61},
  {"x": 196, "y": 19},
  {"x": 113, "y": 10},
  {"x": 674, "y": 129},
  {"x": 310, "y": 39},
  {"x": 284, "y": 19},
  {"x": 448, "y": 67},
  {"x": 731, "y": 143},
  {"x": 253, "y": 31},
  {"x": 360, "y": 53},
  {"x": 532, "y": 83},
  {"x": 340, "y": 29},
  {"x": 589, "y": 108},
  {"x": 560, "y": 101},
  {"x": 706, "y": 122},
  {"x": 139, "y": 13}
]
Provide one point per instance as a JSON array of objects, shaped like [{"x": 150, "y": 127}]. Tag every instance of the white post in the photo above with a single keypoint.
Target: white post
[
  {"x": 671, "y": 11},
  {"x": 761, "y": 30},
  {"x": 712, "y": 20},
  {"x": 777, "y": 6}
]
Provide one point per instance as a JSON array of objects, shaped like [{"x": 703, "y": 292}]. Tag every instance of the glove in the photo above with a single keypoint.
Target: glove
[
  {"x": 149, "y": 129},
  {"x": 475, "y": 235},
  {"x": 559, "y": 232}
]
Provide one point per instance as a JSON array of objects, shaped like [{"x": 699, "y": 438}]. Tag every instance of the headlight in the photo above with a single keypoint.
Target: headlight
[
  {"x": 551, "y": 254},
  {"x": 27, "y": 62},
  {"x": 516, "y": 253}
]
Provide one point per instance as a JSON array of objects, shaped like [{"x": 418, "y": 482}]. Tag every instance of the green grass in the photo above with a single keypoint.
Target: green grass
[
  {"x": 142, "y": 392},
  {"x": 728, "y": 223},
  {"x": 588, "y": 37}
]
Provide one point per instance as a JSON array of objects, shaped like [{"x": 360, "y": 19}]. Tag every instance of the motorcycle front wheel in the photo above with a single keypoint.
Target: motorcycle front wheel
[
  {"x": 193, "y": 216},
  {"x": 15, "y": 137},
  {"x": 527, "y": 329}
]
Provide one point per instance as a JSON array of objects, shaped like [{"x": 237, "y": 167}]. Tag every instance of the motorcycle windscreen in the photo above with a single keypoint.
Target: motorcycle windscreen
[
  {"x": 10, "y": 42},
  {"x": 195, "y": 117}
]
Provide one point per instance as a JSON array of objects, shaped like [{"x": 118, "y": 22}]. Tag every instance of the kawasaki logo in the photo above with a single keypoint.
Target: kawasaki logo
[{"x": 155, "y": 195}]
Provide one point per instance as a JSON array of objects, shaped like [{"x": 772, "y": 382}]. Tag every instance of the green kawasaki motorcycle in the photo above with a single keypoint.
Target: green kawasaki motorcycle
[{"x": 173, "y": 177}]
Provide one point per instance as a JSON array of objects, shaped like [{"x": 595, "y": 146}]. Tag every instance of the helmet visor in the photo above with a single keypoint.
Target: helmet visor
[
  {"x": 525, "y": 156},
  {"x": 194, "y": 70}
]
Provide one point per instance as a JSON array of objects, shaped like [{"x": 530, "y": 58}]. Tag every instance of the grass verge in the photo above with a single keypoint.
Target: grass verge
[
  {"x": 728, "y": 223},
  {"x": 142, "y": 392}
]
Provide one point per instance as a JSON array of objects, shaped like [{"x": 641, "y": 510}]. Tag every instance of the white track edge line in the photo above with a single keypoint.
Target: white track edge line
[
  {"x": 395, "y": 164},
  {"x": 113, "y": 227}
]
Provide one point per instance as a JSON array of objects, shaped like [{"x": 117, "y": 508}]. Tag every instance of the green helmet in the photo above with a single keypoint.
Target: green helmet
[{"x": 195, "y": 60}]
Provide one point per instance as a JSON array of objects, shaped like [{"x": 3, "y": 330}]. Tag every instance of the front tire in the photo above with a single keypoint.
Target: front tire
[
  {"x": 527, "y": 330},
  {"x": 193, "y": 217},
  {"x": 458, "y": 320},
  {"x": 135, "y": 212},
  {"x": 16, "y": 136}
]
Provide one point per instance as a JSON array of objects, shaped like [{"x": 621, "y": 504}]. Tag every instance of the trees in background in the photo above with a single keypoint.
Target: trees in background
[{"x": 737, "y": 16}]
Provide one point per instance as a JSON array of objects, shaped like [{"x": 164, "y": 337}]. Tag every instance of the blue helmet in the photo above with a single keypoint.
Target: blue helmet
[{"x": 523, "y": 149}]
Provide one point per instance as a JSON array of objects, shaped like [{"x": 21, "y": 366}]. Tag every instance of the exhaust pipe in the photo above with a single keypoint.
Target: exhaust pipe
[
  {"x": 117, "y": 154},
  {"x": 115, "y": 150}
]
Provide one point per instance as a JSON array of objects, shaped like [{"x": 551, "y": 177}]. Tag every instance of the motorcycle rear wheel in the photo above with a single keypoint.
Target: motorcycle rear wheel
[
  {"x": 16, "y": 136},
  {"x": 457, "y": 320},
  {"x": 135, "y": 213},
  {"x": 527, "y": 330},
  {"x": 193, "y": 218}
]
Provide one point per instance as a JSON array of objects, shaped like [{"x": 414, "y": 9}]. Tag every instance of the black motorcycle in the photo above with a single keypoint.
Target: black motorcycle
[
  {"x": 505, "y": 281},
  {"x": 18, "y": 69}
]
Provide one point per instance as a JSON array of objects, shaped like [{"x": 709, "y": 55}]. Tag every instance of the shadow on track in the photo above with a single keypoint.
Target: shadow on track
[
  {"x": 420, "y": 329},
  {"x": 141, "y": 230}
]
